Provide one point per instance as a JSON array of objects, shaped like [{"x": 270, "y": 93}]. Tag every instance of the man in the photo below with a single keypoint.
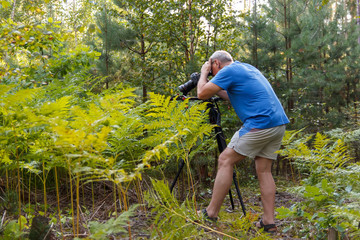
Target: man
[{"x": 263, "y": 128}]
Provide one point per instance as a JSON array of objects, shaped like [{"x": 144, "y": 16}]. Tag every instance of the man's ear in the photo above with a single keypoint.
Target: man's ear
[{"x": 219, "y": 64}]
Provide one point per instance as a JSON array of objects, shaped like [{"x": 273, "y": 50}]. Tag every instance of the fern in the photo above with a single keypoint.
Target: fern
[
  {"x": 111, "y": 138},
  {"x": 4, "y": 89},
  {"x": 111, "y": 227},
  {"x": 123, "y": 101},
  {"x": 320, "y": 141},
  {"x": 332, "y": 180},
  {"x": 59, "y": 108},
  {"x": 19, "y": 97},
  {"x": 172, "y": 125},
  {"x": 173, "y": 220},
  {"x": 322, "y": 158}
]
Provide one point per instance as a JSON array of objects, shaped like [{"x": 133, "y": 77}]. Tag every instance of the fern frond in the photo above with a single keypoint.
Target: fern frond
[
  {"x": 59, "y": 108},
  {"x": 87, "y": 119},
  {"x": 122, "y": 101},
  {"x": 4, "y": 89},
  {"x": 178, "y": 221},
  {"x": 290, "y": 136},
  {"x": 111, "y": 226},
  {"x": 20, "y": 96},
  {"x": 320, "y": 141}
]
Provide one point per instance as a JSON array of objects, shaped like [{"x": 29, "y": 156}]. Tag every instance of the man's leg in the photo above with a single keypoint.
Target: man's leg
[
  {"x": 224, "y": 177},
  {"x": 267, "y": 188}
]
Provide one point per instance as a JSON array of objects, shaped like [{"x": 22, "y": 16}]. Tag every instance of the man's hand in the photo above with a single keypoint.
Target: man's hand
[
  {"x": 205, "y": 89},
  {"x": 205, "y": 69}
]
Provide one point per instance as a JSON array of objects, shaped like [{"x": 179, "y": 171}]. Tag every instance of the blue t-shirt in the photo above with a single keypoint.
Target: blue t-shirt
[{"x": 252, "y": 96}]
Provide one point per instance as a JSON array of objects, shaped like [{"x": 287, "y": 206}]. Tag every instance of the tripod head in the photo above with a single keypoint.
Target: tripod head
[{"x": 184, "y": 97}]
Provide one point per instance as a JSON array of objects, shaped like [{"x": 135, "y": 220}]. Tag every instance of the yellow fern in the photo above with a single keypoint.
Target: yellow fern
[{"x": 59, "y": 108}]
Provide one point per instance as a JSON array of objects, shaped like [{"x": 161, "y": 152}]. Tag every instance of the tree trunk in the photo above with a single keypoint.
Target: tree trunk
[
  {"x": 106, "y": 48},
  {"x": 74, "y": 9},
  {"x": 13, "y": 10},
  {"x": 186, "y": 52},
  {"x": 40, "y": 228},
  {"x": 354, "y": 83},
  {"x": 208, "y": 34},
  {"x": 332, "y": 234},
  {"x": 191, "y": 31},
  {"x": 290, "y": 104},
  {"x": 255, "y": 57},
  {"x": 144, "y": 80},
  {"x": 358, "y": 17}
]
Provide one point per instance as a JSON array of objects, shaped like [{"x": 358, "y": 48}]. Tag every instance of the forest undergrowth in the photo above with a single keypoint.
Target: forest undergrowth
[
  {"x": 95, "y": 213},
  {"x": 100, "y": 168},
  {"x": 91, "y": 137}
]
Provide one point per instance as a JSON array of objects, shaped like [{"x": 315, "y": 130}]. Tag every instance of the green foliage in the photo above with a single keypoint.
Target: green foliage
[
  {"x": 308, "y": 51},
  {"x": 330, "y": 192},
  {"x": 25, "y": 50},
  {"x": 324, "y": 158},
  {"x": 114, "y": 35},
  {"x": 103, "y": 138},
  {"x": 33, "y": 54},
  {"x": 160, "y": 55},
  {"x": 9, "y": 201},
  {"x": 111, "y": 137},
  {"x": 173, "y": 220},
  {"x": 14, "y": 229},
  {"x": 112, "y": 226}
]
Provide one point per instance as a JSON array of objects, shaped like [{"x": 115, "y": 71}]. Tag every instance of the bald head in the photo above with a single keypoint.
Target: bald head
[{"x": 222, "y": 56}]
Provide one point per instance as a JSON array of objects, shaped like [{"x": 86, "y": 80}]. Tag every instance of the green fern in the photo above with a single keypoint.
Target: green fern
[
  {"x": 59, "y": 108},
  {"x": 172, "y": 220},
  {"x": 112, "y": 226},
  {"x": 332, "y": 179},
  {"x": 175, "y": 220},
  {"x": 111, "y": 138},
  {"x": 324, "y": 156}
]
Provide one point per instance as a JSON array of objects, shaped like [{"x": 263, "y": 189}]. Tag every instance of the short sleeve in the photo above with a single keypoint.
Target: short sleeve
[{"x": 222, "y": 79}]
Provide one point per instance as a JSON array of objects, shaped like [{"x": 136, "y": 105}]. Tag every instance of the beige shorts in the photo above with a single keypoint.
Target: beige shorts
[{"x": 258, "y": 142}]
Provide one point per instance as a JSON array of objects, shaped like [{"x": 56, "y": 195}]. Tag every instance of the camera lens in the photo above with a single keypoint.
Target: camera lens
[{"x": 189, "y": 85}]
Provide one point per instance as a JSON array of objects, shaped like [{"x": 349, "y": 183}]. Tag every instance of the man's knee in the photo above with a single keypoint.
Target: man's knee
[
  {"x": 229, "y": 158},
  {"x": 223, "y": 161},
  {"x": 263, "y": 165}
]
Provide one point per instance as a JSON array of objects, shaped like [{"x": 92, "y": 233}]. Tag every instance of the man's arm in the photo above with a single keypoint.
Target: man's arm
[
  {"x": 223, "y": 94},
  {"x": 207, "y": 90}
]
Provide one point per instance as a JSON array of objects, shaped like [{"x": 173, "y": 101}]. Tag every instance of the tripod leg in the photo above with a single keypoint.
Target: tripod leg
[
  {"x": 215, "y": 119},
  {"x": 181, "y": 166},
  {"x": 238, "y": 193},
  {"x": 231, "y": 200}
]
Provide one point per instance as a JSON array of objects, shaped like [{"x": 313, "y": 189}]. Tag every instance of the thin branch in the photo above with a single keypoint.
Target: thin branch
[
  {"x": 130, "y": 48},
  {"x": 151, "y": 45},
  {"x": 2, "y": 219}
]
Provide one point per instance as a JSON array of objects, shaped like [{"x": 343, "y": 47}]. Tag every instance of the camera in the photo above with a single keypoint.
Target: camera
[{"x": 192, "y": 83}]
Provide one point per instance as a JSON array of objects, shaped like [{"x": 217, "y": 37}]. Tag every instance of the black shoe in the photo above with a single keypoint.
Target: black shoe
[
  {"x": 269, "y": 228},
  {"x": 206, "y": 216}
]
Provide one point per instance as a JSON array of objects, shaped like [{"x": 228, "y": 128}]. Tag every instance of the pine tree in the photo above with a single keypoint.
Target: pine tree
[
  {"x": 113, "y": 34},
  {"x": 317, "y": 57},
  {"x": 140, "y": 16}
]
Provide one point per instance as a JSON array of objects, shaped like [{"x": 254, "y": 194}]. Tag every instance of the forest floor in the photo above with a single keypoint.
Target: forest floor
[
  {"x": 97, "y": 204},
  {"x": 141, "y": 224}
]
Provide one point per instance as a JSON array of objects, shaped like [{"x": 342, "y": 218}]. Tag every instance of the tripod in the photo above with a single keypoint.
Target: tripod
[{"x": 215, "y": 118}]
